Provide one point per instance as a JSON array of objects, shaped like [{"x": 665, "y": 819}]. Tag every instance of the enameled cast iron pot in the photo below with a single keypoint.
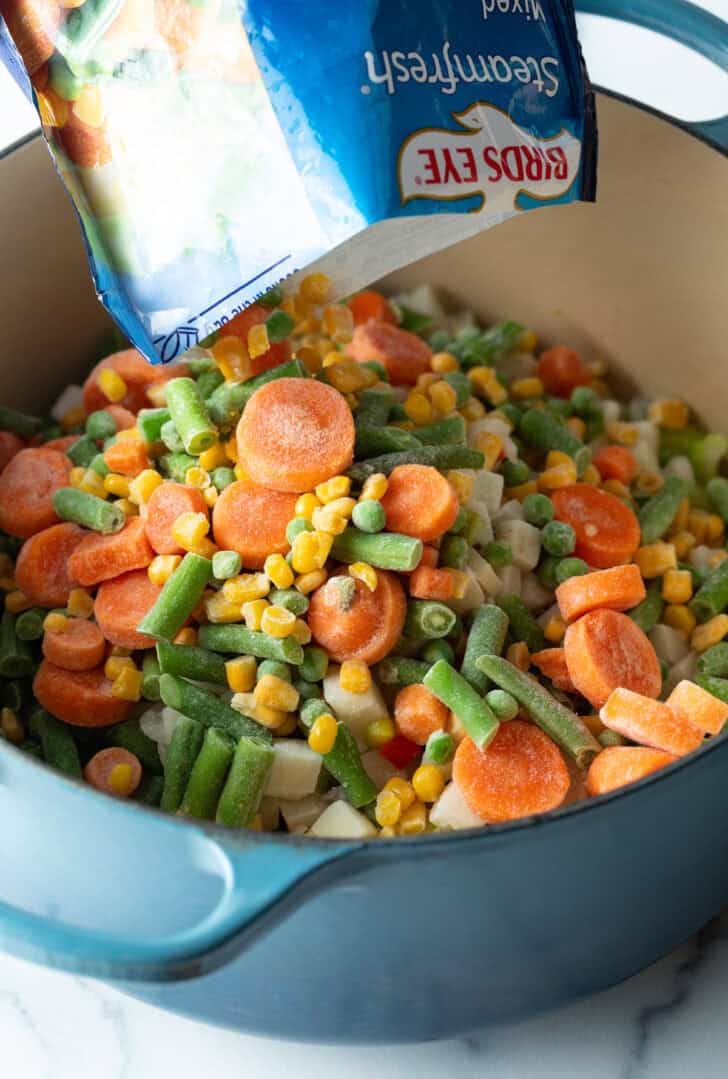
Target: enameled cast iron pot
[{"x": 400, "y": 940}]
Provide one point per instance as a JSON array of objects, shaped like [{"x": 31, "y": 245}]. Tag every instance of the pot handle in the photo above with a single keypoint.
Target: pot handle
[{"x": 684, "y": 22}]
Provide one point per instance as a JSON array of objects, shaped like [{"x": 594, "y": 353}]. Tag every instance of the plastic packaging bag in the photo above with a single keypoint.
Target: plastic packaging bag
[{"x": 214, "y": 147}]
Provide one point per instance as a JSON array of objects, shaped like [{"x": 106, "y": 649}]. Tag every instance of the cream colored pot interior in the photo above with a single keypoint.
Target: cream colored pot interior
[{"x": 638, "y": 279}]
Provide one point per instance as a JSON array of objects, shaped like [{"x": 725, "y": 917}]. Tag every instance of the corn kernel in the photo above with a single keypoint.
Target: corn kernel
[
  {"x": 491, "y": 446},
  {"x": 80, "y": 604},
  {"x": 310, "y": 358},
  {"x": 157, "y": 394},
  {"x": 278, "y": 570},
  {"x": 488, "y": 385},
  {"x": 496, "y": 414},
  {"x": 121, "y": 780},
  {"x": 554, "y": 458},
  {"x": 245, "y": 587},
  {"x": 375, "y": 487},
  {"x": 315, "y": 288},
  {"x": 680, "y": 618},
  {"x": 325, "y": 520},
  {"x": 414, "y": 820},
  {"x": 714, "y": 528},
  {"x": 93, "y": 484},
  {"x": 112, "y": 385},
  {"x": 129, "y": 434},
  {"x": 52, "y": 108},
  {"x": 231, "y": 450},
  {"x": 119, "y": 650},
  {"x": 591, "y": 476},
  {"x": 355, "y": 676},
  {"x": 336, "y": 487},
  {"x": 116, "y": 664},
  {"x": 17, "y": 601},
  {"x": 161, "y": 568},
  {"x": 73, "y": 417},
  {"x": 425, "y": 381},
  {"x": 626, "y": 434},
  {"x": 616, "y": 488},
  {"x": 310, "y": 551},
  {"x": 197, "y": 477},
  {"x": 343, "y": 506},
  {"x": 460, "y": 582},
  {"x": 698, "y": 525},
  {"x": 274, "y": 692},
  {"x": 272, "y": 718},
  {"x": 443, "y": 363},
  {"x": 522, "y": 491},
  {"x": 472, "y": 410},
  {"x": 76, "y": 475},
  {"x": 551, "y": 479},
  {"x": 210, "y": 495},
  {"x": 55, "y": 622},
  {"x": 322, "y": 345},
  {"x": 527, "y": 387},
  {"x": 232, "y": 359},
  {"x": 669, "y": 412},
  {"x": 683, "y": 542},
  {"x": 278, "y": 622},
  {"x": 428, "y": 782},
  {"x": 648, "y": 482},
  {"x": 252, "y": 612},
  {"x": 716, "y": 559},
  {"x": 462, "y": 484},
  {"x": 89, "y": 106},
  {"x": 186, "y": 636},
  {"x": 117, "y": 485},
  {"x": 680, "y": 520},
  {"x": 11, "y": 726},
  {"x": 350, "y": 377},
  {"x": 554, "y": 630},
  {"x": 388, "y": 809},
  {"x": 301, "y": 632},
  {"x": 127, "y": 507},
  {"x": 443, "y": 397},
  {"x": 379, "y": 731},
  {"x": 519, "y": 655},
  {"x": 143, "y": 486},
  {"x": 309, "y": 582},
  {"x": 576, "y": 425},
  {"x": 219, "y": 609},
  {"x": 709, "y": 633},
  {"x": 338, "y": 323},
  {"x": 127, "y": 685},
  {"x": 306, "y": 504},
  {"x": 189, "y": 529},
  {"x": 655, "y": 559},
  {"x": 287, "y": 727},
  {"x": 677, "y": 586},
  {"x": 362, "y": 571},
  {"x": 215, "y": 457},
  {"x": 323, "y": 733},
  {"x": 387, "y": 832},
  {"x": 331, "y": 358},
  {"x": 528, "y": 341},
  {"x": 418, "y": 408},
  {"x": 258, "y": 343},
  {"x": 403, "y": 790}
]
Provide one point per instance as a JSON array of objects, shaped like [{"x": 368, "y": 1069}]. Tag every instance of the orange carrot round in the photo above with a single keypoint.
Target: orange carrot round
[
  {"x": 165, "y": 505},
  {"x": 43, "y": 570},
  {"x": 252, "y": 521},
  {"x": 80, "y": 646},
  {"x": 650, "y": 723},
  {"x": 122, "y": 417},
  {"x": 371, "y": 305},
  {"x": 241, "y": 325},
  {"x": 418, "y": 713},
  {"x": 404, "y": 355},
  {"x": 420, "y": 502},
  {"x": 100, "y": 557},
  {"x": 366, "y": 627},
  {"x": 551, "y": 662},
  {"x": 80, "y": 698},
  {"x": 616, "y": 463},
  {"x": 561, "y": 370},
  {"x": 294, "y": 434},
  {"x": 27, "y": 486},
  {"x": 101, "y": 772},
  {"x": 128, "y": 456},
  {"x": 606, "y": 650},
  {"x": 120, "y": 606},
  {"x": 520, "y": 773},
  {"x": 607, "y": 531},
  {"x": 32, "y": 24},
  {"x": 60, "y": 444},
  {"x": 10, "y": 444},
  {"x": 137, "y": 373},
  {"x": 619, "y": 765},
  {"x": 618, "y": 588}
]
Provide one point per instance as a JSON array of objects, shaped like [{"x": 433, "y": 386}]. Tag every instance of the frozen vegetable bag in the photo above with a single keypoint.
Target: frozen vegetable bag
[{"x": 214, "y": 147}]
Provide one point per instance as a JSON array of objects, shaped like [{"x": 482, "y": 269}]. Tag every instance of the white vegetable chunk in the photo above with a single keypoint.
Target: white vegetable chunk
[
  {"x": 423, "y": 300},
  {"x": 170, "y": 719},
  {"x": 481, "y": 531},
  {"x": 685, "y": 668},
  {"x": 296, "y": 770},
  {"x": 510, "y": 579},
  {"x": 378, "y": 768},
  {"x": 669, "y": 645},
  {"x": 509, "y": 511},
  {"x": 700, "y": 556},
  {"x": 70, "y": 397},
  {"x": 680, "y": 466},
  {"x": 611, "y": 411},
  {"x": 356, "y": 710},
  {"x": 152, "y": 723},
  {"x": 484, "y": 573},
  {"x": 450, "y": 811},
  {"x": 471, "y": 599},
  {"x": 301, "y": 814},
  {"x": 645, "y": 456},
  {"x": 533, "y": 593},
  {"x": 524, "y": 540},
  {"x": 487, "y": 488},
  {"x": 342, "y": 821}
]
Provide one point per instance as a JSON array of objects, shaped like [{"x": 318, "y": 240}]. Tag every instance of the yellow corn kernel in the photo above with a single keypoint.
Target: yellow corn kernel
[
  {"x": 527, "y": 387},
  {"x": 252, "y": 612},
  {"x": 519, "y": 655},
  {"x": 127, "y": 685},
  {"x": 680, "y": 618},
  {"x": 52, "y": 108},
  {"x": 121, "y": 780},
  {"x": 554, "y": 458},
  {"x": 93, "y": 484},
  {"x": 577, "y": 426},
  {"x": 310, "y": 551},
  {"x": 274, "y": 692},
  {"x": 116, "y": 664},
  {"x": 669, "y": 412},
  {"x": 649, "y": 483},
  {"x": 554, "y": 630},
  {"x": 278, "y": 622},
  {"x": 338, "y": 323},
  {"x": 683, "y": 542},
  {"x": 17, "y": 601},
  {"x": 331, "y": 358},
  {"x": 428, "y": 782},
  {"x": 491, "y": 446},
  {"x": 387, "y": 832},
  {"x": 129, "y": 434},
  {"x": 443, "y": 363},
  {"x": 89, "y": 107},
  {"x": 387, "y": 809},
  {"x": 680, "y": 520},
  {"x": 127, "y": 507},
  {"x": 347, "y": 376},
  {"x": 186, "y": 636},
  {"x": 231, "y": 450},
  {"x": 414, "y": 820},
  {"x": 522, "y": 491},
  {"x": 323, "y": 733},
  {"x": 287, "y": 727},
  {"x": 278, "y": 570},
  {"x": 591, "y": 476},
  {"x": 617, "y": 488},
  {"x": 344, "y": 507},
  {"x": 355, "y": 676},
  {"x": 460, "y": 581},
  {"x": 215, "y": 457},
  {"x": 677, "y": 586},
  {"x": 378, "y": 732},
  {"x": 626, "y": 434},
  {"x": 143, "y": 486},
  {"x": 655, "y": 559},
  {"x": 306, "y": 504},
  {"x": 487, "y": 384},
  {"x": 76, "y": 475},
  {"x": 55, "y": 622},
  {"x": 714, "y": 528},
  {"x": 528, "y": 341},
  {"x": 717, "y": 558},
  {"x": 418, "y": 408},
  {"x": 698, "y": 525},
  {"x": 197, "y": 477},
  {"x": 551, "y": 479},
  {"x": 11, "y": 726},
  {"x": 219, "y": 609},
  {"x": 462, "y": 484},
  {"x": 336, "y": 487},
  {"x": 241, "y": 473},
  {"x": 117, "y": 485},
  {"x": 119, "y": 650},
  {"x": 309, "y": 582},
  {"x": 310, "y": 358},
  {"x": 472, "y": 410},
  {"x": 73, "y": 417},
  {"x": 112, "y": 385},
  {"x": 157, "y": 394},
  {"x": 315, "y": 288},
  {"x": 161, "y": 568},
  {"x": 375, "y": 487},
  {"x": 246, "y": 587},
  {"x": 301, "y": 632},
  {"x": 324, "y": 520},
  {"x": 258, "y": 343},
  {"x": 709, "y": 633},
  {"x": 362, "y": 571},
  {"x": 593, "y": 724},
  {"x": 443, "y": 397},
  {"x": 210, "y": 495},
  {"x": 426, "y": 380},
  {"x": 321, "y": 345},
  {"x": 403, "y": 790},
  {"x": 79, "y": 604},
  {"x": 232, "y": 359},
  {"x": 189, "y": 529},
  {"x": 272, "y": 718}
]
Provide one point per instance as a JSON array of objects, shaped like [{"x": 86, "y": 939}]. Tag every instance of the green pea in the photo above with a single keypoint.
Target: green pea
[
  {"x": 538, "y": 510},
  {"x": 369, "y": 516},
  {"x": 296, "y": 526},
  {"x": 570, "y": 567},
  {"x": 558, "y": 538}
]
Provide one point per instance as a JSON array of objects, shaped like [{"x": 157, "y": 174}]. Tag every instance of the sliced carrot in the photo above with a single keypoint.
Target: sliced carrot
[
  {"x": 561, "y": 370},
  {"x": 80, "y": 646},
  {"x": 698, "y": 706},
  {"x": 420, "y": 502},
  {"x": 551, "y": 662},
  {"x": 418, "y": 713},
  {"x": 369, "y": 305},
  {"x": 429, "y": 583},
  {"x": 99, "y": 558},
  {"x": 27, "y": 486},
  {"x": 43, "y": 570},
  {"x": 120, "y": 606},
  {"x": 104, "y": 771},
  {"x": 618, "y": 588},
  {"x": 366, "y": 627},
  {"x": 295, "y": 433},
  {"x": 606, "y": 650},
  {"x": 127, "y": 456},
  {"x": 651, "y": 723},
  {"x": 404, "y": 355},
  {"x": 241, "y": 325},
  {"x": 520, "y": 773},
  {"x": 10, "y": 444},
  {"x": 32, "y": 24},
  {"x": 81, "y": 698},
  {"x": 122, "y": 417},
  {"x": 619, "y": 765},
  {"x": 60, "y": 444},
  {"x": 165, "y": 505},
  {"x": 607, "y": 531},
  {"x": 252, "y": 521},
  {"x": 137, "y": 373},
  {"x": 616, "y": 463}
]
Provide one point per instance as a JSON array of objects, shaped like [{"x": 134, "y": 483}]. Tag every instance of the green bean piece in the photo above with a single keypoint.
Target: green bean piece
[
  {"x": 706, "y": 456},
  {"x": 227, "y": 402},
  {"x": 712, "y": 596},
  {"x": 19, "y": 422},
  {"x": 129, "y": 735},
  {"x": 440, "y": 748},
  {"x": 373, "y": 408},
  {"x": 208, "y": 709},
  {"x": 177, "y": 465},
  {"x": 289, "y": 598},
  {"x": 584, "y": 401},
  {"x": 226, "y": 564},
  {"x": 59, "y": 747},
  {"x": 29, "y": 624},
  {"x": 189, "y": 415},
  {"x": 343, "y": 762},
  {"x": 487, "y": 637},
  {"x": 208, "y": 382},
  {"x": 498, "y": 553},
  {"x": 717, "y": 492},
  {"x": 16, "y": 658},
  {"x": 460, "y": 523},
  {"x": 401, "y": 671},
  {"x": 658, "y": 513},
  {"x": 649, "y": 612},
  {"x": 369, "y": 516},
  {"x": 171, "y": 438},
  {"x": 523, "y": 625},
  {"x": 374, "y": 441},
  {"x": 385, "y": 550},
  {"x": 150, "y": 790},
  {"x": 428, "y": 619},
  {"x": 558, "y": 539},
  {"x": 207, "y": 778},
  {"x": 240, "y": 641},
  {"x": 72, "y": 504},
  {"x": 447, "y": 432},
  {"x": 274, "y": 667},
  {"x": 437, "y": 649},
  {"x": 150, "y": 676},
  {"x": 459, "y": 696},
  {"x": 544, "y": 432},
  {"x": 222, "y": 477},
  {"x": 442, "y": 457},
  {"x": 504, "y": 705},
  {"x": 398, "y": 413},
  {"x": 454, "y": 552},
  {"x": 32, "y": 748},
  {"x": 315, "y": 663},
  {"x": 247, "y": 779},
  {"x": 14, "y": 695},
  {"x": 99, "y": 465},
  {"x": 178, "y": 598},
  {"x": 711, "y": 684},
  {"x": 100, "y": 425},
  {"x": 82, "y": 452},
  {"x": 714, "y": 661},
  {"x": 607, "y": 739},
  {"x": 279, "y": 325},
  {"x": 559, "y": 722},
  {"x": 181, "y": 755},
  {"x": 570, "y": 567},
  {"x": 538, "y": 510},
  {"x": 191, "y": 661},
  {"x": 307, "y": 690}
]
